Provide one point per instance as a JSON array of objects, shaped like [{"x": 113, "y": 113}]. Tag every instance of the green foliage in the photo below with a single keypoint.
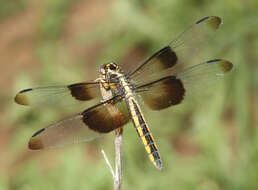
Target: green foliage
[{"x": 211, "y": 144}]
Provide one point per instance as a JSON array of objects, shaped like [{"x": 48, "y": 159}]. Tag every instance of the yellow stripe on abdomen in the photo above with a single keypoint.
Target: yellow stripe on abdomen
[{"x": 144, "y": 133}]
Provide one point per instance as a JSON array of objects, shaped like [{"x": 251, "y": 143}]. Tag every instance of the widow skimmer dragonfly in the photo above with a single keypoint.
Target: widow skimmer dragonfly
[{"x": 163, "y": 80}]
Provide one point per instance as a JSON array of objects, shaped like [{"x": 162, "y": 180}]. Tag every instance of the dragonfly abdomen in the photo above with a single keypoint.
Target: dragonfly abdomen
[{"x": 144, "y": 132}]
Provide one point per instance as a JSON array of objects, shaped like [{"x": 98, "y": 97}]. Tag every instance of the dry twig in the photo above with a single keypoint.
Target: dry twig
[{"x": 118, "y": 174}]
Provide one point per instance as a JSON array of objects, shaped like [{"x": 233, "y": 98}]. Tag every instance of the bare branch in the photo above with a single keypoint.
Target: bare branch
[
  {"x": 119, "y": 156},
  {"x": 108, "y": 163},
  {"x": 118, "y": 174}
]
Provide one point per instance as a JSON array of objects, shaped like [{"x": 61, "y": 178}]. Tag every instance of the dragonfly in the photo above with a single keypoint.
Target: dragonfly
[{"x": 163, "y": 80}]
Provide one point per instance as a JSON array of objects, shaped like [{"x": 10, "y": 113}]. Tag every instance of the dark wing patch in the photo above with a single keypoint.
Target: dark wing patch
[
  {"x": 59, "y": 95},
  {"x": 83, "y": 91},
  {"x": 171, "y": 90},
  {"x": 163, "y": 59},
  {"x": 107, "y": 118},
  {"x": 163, "y": 93},
  {"x": 84, "y": 126}
]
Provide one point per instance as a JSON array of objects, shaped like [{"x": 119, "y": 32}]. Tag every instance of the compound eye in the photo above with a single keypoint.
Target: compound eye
[{"x": 112, "y": 67}]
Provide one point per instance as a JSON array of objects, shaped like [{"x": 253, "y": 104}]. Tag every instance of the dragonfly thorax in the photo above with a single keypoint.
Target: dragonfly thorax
[{"x": 116, "y": 80}]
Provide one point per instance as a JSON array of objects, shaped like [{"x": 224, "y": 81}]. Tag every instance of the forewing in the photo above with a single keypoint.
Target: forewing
[
  {"x": 85, "y": 126},
  {"x": 59, "y": 95},
  {"x": 172, "y": 89},
  {"x": 179, "y": 52}
]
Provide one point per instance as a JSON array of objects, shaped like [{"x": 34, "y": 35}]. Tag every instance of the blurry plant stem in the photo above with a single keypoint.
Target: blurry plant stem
[{"x": 117, "y": 175}]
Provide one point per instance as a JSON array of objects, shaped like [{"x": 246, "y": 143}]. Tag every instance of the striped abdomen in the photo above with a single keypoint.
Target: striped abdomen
[{"x": 144, "y": 132}]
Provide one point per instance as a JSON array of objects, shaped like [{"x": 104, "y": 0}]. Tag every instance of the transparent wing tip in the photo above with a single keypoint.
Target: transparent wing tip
[
  {"x": 35, "y": 142},
  {"x": 213, "y": 21},
  {"x": 21, "y": 97},
  {"x": 224, "y": 65}
]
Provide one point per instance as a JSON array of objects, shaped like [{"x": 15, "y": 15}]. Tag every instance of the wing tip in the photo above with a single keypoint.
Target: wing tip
[
  {"x": 21, "y": 99},
  {"x": 35, "y": 144},
  {"x": 225, "y": 65},
  {"x": 214, "y": 21}
]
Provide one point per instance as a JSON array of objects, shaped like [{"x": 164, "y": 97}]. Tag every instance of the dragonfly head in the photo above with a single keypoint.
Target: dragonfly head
[{"x": 108, "y": 69}]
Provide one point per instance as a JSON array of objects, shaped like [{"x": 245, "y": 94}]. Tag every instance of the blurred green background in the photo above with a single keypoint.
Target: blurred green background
[{"x": 208, "y": 144}]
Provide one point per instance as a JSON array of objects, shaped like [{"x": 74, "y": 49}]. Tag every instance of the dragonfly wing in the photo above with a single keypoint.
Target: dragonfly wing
[
  {"x": 59, "y": 95},
  {"x": 85, "y": 126},
  {"x": 178, "y": 53},
  {"x": 172, "y": 89}
]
